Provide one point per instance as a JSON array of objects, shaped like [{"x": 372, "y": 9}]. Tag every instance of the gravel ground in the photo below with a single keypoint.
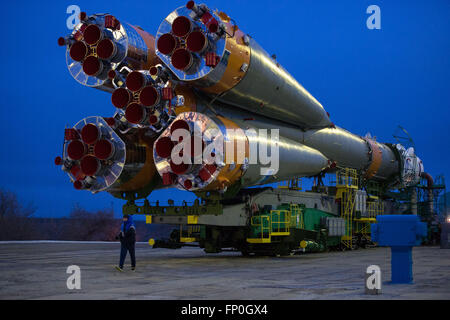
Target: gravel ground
[{"x": 36, "y": 270}]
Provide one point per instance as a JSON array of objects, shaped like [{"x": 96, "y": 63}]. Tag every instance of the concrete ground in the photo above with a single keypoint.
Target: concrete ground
[{"x": 38, "y": 271}]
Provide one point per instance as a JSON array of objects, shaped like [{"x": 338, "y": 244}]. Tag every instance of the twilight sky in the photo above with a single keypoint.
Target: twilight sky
[{"x": 368, "y": 80}]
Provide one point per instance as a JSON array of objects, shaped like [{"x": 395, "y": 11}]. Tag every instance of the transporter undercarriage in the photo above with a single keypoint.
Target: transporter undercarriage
[{"x": 279, "y": 220}]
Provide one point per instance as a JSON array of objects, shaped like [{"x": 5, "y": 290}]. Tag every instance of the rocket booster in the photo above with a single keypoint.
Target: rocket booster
[
  {"x": 377, "y": 161},
  {"x": 218, "y": 154},
  {"x": 98, "y": 158},
  {"x": 208, "y": 51},
  {"x": 191, "y": 106},
  {"x": 101, "y": 47}
]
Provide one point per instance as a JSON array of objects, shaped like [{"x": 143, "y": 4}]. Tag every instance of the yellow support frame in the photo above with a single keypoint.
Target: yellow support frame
[
  {"x": 278, "y": 224},
  {"x": 363, "y": 225},
  {"x": 347, "y": 183},
  {"x": 375, "y": 208},
  {"x": 263, "y": 239},
  {"x": 184, "y": 239},
  {"x": 293, "y": 184},
  {"x": 280, "y": 231},
  {"x": 190, "y": 229},
  {"x": 296, "y": 211},
  {"x": 192, "y": 219}
]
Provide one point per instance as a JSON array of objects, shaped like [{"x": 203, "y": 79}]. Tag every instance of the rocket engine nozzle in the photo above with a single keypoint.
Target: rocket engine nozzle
[
  {"x": 197, "y": 41},
  {"x": 90, "y": 165},
  {"x": 149, "y": 96},
  {"x": 104, "y": 149},
  {"x": 136, "y": 81},
  {"x": 182, "y": 59},
  {"x": 135, "y": 113},
  {"x": 164, "y": 146},
  {"x": 167, "y": 43},
  {"x": 106, "y": 49},
  {"x": 182, "y": 26},
  {"x": 121, "y": 97},
  {"x": 78, "y": 51},
  {"x": 90, "y": 133},
  {"x": 92, "y": 66},
  {"x": 76, "y": 150},
  {"x": 92, "y": 34}
]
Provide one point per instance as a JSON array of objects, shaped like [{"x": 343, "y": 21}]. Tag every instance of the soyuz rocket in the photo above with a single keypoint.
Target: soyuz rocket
[{"x": 199, "y": 74}]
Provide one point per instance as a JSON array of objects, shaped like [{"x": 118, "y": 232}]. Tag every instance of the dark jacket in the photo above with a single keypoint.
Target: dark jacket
[
  {"x": 127, "y": 234},
  {"x": 128, "y": 237}
]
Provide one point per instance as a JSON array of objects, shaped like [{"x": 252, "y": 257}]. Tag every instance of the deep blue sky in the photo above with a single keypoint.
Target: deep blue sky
[{"x": 368, "y": 80}]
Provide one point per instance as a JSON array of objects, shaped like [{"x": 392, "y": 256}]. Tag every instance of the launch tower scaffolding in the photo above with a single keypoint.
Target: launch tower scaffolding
[{"x": 346, "y": 186}]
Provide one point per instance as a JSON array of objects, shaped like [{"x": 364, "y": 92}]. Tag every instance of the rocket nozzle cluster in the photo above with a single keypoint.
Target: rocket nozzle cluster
[
  {"x": 191, "y": 38},
  {"x": 100, "y": 46},
  {"x": 94, "y": 46},
  {"x": 146, "y": 99},
  {"x": 93, "y": 154},
  {"x": 189, "y": 157}
]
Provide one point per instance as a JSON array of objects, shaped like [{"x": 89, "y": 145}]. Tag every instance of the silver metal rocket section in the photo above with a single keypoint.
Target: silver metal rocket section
[
  {"x": 268, "y": 89},
  {"x": 244, "y": 75},
  {"x": 294, "y": 160},
  {"x": 391, "y": 164},
  {"x": 221, "y": 153}
]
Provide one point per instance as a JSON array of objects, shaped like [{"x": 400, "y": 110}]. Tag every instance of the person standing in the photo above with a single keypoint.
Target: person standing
[{"x": 127, "y": 237}]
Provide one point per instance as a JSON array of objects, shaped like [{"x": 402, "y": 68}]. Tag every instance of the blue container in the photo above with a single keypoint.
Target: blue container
[{"x": 401, "y": 233}]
